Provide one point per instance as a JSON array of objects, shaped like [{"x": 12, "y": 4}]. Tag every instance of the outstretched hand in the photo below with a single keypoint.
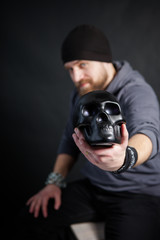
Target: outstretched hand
[
  {"x": 40, "y": 200},
  {"x": 108, "y": 159}
]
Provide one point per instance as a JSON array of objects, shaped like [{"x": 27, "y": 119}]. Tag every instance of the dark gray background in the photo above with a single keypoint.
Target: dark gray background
[{"x": 35, "y": 87}]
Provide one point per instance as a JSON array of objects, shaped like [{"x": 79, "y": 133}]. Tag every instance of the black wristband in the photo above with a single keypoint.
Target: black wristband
[{"x": 130, "y": 160}]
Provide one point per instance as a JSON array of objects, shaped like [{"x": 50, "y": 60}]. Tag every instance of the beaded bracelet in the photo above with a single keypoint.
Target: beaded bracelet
[
  {"x": 57, "y": 179},
  {"x": 130, "y": 160}
]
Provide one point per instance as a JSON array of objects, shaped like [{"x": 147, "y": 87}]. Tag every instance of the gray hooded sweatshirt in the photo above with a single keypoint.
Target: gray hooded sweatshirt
[{"x": 141, "y": 110}]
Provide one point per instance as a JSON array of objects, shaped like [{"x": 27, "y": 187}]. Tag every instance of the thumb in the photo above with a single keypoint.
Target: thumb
[{"x": 124, "y": 135}]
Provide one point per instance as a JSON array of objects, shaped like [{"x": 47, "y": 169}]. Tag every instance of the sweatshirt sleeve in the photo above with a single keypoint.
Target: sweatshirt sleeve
[
  {"x": 67, "y": 144},
  {"x": 142, "y": 114}
]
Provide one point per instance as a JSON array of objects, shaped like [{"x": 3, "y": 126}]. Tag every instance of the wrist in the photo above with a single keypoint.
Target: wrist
[
  {"x": 57, "y": 179},
  {"x": 131, "y": 158}
]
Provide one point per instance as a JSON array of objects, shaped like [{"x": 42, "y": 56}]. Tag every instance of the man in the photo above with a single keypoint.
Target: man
[{"x": 129, "y": 200}]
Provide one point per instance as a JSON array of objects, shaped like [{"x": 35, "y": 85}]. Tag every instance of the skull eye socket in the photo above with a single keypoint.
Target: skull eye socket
[
  {"x": 88, "y": 111},
  {"x": 85, "y": 112},
  {"x": 112, "y": 109}
]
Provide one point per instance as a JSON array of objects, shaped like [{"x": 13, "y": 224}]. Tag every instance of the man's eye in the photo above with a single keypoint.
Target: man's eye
[
  {"x": 83, "y": 65},
  {"x": 70, "y": 69}
]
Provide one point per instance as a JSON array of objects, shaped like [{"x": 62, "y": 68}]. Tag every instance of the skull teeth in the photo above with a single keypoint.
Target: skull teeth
[{"x": 108, "y": 127}]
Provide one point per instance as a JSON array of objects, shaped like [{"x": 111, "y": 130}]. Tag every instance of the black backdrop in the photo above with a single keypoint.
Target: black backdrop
[{"x": 35, "y": 87}]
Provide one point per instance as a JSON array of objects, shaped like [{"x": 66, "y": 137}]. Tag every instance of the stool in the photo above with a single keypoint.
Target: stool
[{"x": 89, "y": 230}]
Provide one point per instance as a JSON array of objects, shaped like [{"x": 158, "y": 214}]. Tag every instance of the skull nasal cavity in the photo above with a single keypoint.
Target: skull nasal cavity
[{"x": 102, "y": 117}]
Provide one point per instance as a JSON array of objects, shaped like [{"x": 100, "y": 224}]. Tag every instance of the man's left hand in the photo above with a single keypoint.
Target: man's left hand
[{"x": 106, "y": 158}]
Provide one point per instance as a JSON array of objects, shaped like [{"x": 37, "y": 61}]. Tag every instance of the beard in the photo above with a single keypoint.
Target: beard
[
  {"x": 88, "y": 85},
  {"x": 84, "y": 86}
]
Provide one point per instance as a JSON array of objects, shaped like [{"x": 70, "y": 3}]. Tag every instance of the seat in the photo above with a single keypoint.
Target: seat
[{"x": 89, "y": 230}]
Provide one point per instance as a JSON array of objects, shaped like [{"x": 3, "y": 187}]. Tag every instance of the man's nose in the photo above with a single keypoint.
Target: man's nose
[{"x": 77, "y": 75}]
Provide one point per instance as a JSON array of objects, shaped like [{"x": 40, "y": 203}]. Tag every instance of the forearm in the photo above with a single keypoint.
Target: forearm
[
  {"x": 143, "y": 145},
  {"x": 63, "y": 164}
]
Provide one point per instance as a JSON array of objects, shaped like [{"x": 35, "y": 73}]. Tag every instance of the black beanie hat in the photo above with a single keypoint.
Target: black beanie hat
[{"x": 86, "y": 42}]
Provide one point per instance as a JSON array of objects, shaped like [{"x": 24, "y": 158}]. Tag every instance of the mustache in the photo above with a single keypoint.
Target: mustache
[{"x": 83, "y": 81}]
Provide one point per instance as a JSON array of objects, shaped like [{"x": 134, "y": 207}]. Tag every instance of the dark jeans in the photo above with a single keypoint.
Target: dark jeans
[{"x": 127, "y": 216}]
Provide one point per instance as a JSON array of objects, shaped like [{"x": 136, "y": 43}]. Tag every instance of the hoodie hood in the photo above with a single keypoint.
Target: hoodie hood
[{"x": 125, "y": 76}]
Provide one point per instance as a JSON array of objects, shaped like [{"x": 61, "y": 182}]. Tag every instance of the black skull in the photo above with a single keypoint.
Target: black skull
[{"x": 99, "y": 116}]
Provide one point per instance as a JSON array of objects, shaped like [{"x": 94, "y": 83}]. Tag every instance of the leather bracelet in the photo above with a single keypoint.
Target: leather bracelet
[
  {"x": 57, "y": 179},
  {"x": 130, "y": 160}
]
